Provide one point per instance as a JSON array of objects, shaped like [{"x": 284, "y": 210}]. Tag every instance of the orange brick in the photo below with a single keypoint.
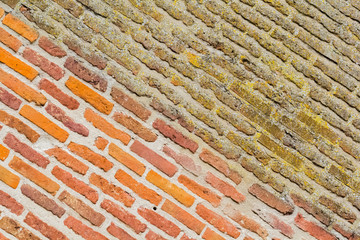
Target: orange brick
[
  {"x": 34, "y": 175},
  {"x": 211, "y": 235},
  {"x": 138, "y": 188},
  {"x": 91, "y": 156},
  {"x": 199, "y": 190},
  {"x": 21, "y": 28},
  {"x": 23, "y": 90},
  {"x": 103, "y": 125},
  {"x": 2, "y": 12},
  {"x": 4, "y": 152},
  {"x": 101, "y": 143},
  {"x": 44, "y": 123},
  {"x": 8, "y": 177},
  {"x": 89, "y": 95},
  {"x": 126, "y": 159},
  {"x": 178, "y": 193},
  {"x": 17, "y": 65},
  {"x": 9, "y": 40}
]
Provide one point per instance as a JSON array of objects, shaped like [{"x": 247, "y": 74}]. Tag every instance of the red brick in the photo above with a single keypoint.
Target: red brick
[
  {"x": 45, "y": 229},
  {"x": 199, "y": 190},
  {"x": 75, "y": 184},
  {"x": 50, "y": 68},
  {"x": 312, "y": 209},
  {"x": 20, "y": 27},
  {"x": 346, "y": 232},
  {"x": 153, "y": 236},
  {"x": 338, "y": 209},
  {"x": 184, "y": 217},
  {"x": 42, "y": 200},
  {"x": 81, "y": 229},
  {"x": 126, "y": 159},
  {"x": 175, "y": 135},
  {"x": 85, "y": 74},
  {"x": 9, "y": 40},
  {"x": 118, "y": 232},
  {"x": 135, "y": 126},
  {"x": 14, "y": 228},
  {"x": 159, "y": 221},
  {"x": 220, "y": 165},
  {"x": 138, "y": 188},
  {"x": 27, "y": 152},
  {"x": 89, "y": 95},
  {"x": 81, "y": 208},
  {"x": 112, "y": 190},
  {"x": 106, "y": 127},
  {"x": 124, "y": 216},
  {"x": 185, "y": 237},
  {"x": 270, "y": 199},
  {"x": 275, "y": 222},
  {"x": 10, "y": 203},
  {"x": 8, "y": 99},
  {"x": 101, "y": 143},
  {"x": 155, "y": 159},
  {"x": 182, "y": 159},
  {"x": 211, "y": 235},
  {"x": 20, "y": 88},
  {"x": 2, "y": 237},
  {"x": 68, "y": 160},
  {"x": 34, "y": 175},
  {"x": 130, "y": 104},
  {"x": 167, "y": 186},
  {"x": 4, "y": 152},
  {"x": 90, "y": 156},
  {"x": 313, "y": 229},
  {"x": 224, "y": 187},
  {"x": 51, "y": 48},
  {"x": 8, "y": 177},
  {"x": 59, "y": 95},
  {"x": 68, "y": 122},
  {"x": 44, "y": 123},
  {"x": 17, "y": 65}
]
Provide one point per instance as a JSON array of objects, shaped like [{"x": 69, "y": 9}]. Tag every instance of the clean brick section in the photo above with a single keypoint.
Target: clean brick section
[
  {"x": 81, "y": 229},
  {"x": 8, "y": 177},
  {"x": 9, "y": 40},
  {"x": 51, "y": 48},
  {"x": 20, "y": 27},
  {"x": 4, "y": 152},
  {"x": 10, "y": 203},
  {"x": 9, "y": 100},
  {"x": 118, "y": 232}
]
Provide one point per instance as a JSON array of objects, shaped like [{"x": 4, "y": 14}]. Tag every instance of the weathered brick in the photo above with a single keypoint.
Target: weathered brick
[
  {"x": 118, "y": 232},
  {"x": 313, "y": 229},
  {"x": 68, "y": 122},
  {"x": 10, "y": 203},
  {"x": 126, "y": 159},
  {"x": 184, "y": 217},
  {"x": 44, "y": 123},
  {"x": 80, "y": 207},
  {"x": 101, "y": 143},
  {"x": 221, "y": 223},
  {"x": 85, "y": 74},
  {"x": 81, "y": 229},
  {"x": 20, "y": 27},
  {"x": 8, "y": 99},
  {"x": 124, "y": 216},
  {"x": 103, "y": 125},
  {"x": 175, "y": 135},
  {"x": 182, "y": 159},
  {"x": 34, "y": 175},
  {"x": 211, "y": 235},
  {"x": 220, "y": 165},
  {"x": 153, "y": 236},
  {"x": 270, "y": 199},
  {"x": 21, "y": 127},
  {"x": 27, "y": 152},
  {"x": 90, "y": 156},
  {"x": 130, "y": 104},
  {"x": 59, "y": 95},
  {"x": 155, "y": 159},
  {"x": 9, "y": 40},
  {"x": 75, "y": 184},
  {"x": 199, "y": 190},
  {"x": 68, "y": 160},
  {"x": 89, "y": 95},
  {"x": 138, "y": 188},
  {"x": 112, "y": 190},
  {"x": 4, "y": 152},
  {"x": 224, "y": 187},
  {"x": 337, "y": 208},
  {"x": 42, "y": 200},
  {"x": 14, "y": 228},
  {"x": 51, "y": 47},
  {"x": 135, "y": 126},
  {"x": 17, "y": 65},
  {"x": 159, "y": 221},
  {"x": 45, "y": 229},
  {"x": 20, "y": 88}
]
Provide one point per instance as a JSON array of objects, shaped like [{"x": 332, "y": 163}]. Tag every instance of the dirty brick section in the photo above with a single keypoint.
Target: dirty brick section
[{"x": 186, "y": 119}]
